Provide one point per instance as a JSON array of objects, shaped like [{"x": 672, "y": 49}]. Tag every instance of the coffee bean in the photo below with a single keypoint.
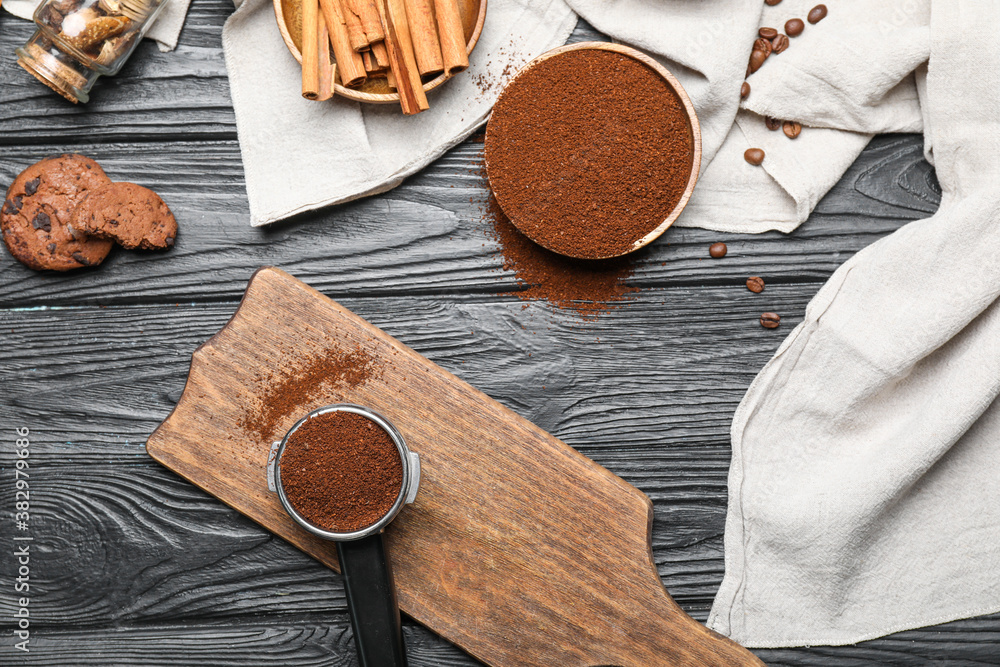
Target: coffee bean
[
  {"x": 791, "y": 128},
  {"x": 763, "y": 45},
  {"x": 770, "y": 320},
  {"x": 772, "y": 3},
  {"x": 717, "y": 250},
  {"x": 744, "y": 90},
  {"x": 794, "y": 27},
  {"x": 754, "y": 156},
  {"x": 817, "y": 14},
  {"x": 757, "y": 59},
  {"x": 755, "y": 284},
  {"x": 768, "y": 33},
  {"x": 772, "y": 123},
  {"x": 779, "y": 44}
]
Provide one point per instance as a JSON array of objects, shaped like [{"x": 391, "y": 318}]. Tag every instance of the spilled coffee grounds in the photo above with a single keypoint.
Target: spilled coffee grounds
[
  {"x": 589, "y": 151},
  {"x": 589, "y": 287},
  {"x": 287, "y": 393},
  {"x": 341, "y": 471}
]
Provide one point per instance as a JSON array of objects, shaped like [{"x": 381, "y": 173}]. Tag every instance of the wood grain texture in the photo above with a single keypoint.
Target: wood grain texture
[
  {"x": 437, "y": 242},
  {"x": 501, "y": 552},
  {"x": 93, "y": 382},
  {"x": 109, "y": 585}
]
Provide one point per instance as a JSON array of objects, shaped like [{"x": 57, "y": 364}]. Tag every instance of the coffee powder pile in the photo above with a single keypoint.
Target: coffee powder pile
[
  {"x": 341, "y": 471},
  {"x": 290, "y": 392},
  {"x": 589, "y": 287},
  {"x": 589, "y": 151}
]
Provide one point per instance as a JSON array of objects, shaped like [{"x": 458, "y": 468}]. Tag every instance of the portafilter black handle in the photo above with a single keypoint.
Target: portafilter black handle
[{"x": 371, "y": 601}]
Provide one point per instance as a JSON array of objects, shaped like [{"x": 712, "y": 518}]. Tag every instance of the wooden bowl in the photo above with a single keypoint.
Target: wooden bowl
[
  {"x": 693, "y": 126},
  {"x": 375, "y": 90}
]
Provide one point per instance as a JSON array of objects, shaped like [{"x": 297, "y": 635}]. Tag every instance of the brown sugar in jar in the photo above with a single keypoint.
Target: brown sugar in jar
[
  {"x": 341, "y": 471},
  {"x": 589, "y": 151}
]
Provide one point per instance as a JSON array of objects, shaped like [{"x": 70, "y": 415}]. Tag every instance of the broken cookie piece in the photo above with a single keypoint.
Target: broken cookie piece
[{"x": 131, "y": 215}]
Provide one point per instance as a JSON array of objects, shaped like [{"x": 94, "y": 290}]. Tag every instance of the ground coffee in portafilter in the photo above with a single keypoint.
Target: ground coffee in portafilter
[
  {"x": 588, "y": 151},
  {"x": 341, "y": 471}
]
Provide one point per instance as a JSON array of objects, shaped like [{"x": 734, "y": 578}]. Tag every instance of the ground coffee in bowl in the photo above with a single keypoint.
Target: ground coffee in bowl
[{"x": 592, "y": 150}]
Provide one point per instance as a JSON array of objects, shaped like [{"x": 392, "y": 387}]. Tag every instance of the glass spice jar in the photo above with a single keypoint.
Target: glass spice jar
[{"x": 79, "y": 40}]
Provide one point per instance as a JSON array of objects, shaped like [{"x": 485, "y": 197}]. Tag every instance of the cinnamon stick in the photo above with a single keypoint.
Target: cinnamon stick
[
  {"x": 326, "y": 68},
  {"x": 451, "y": 34},
  {"x": 404, "y": 66},
  {"x": 381, "y": 55},
  {"x": 350, "y": 66},
  {"x": 366, "y": 57},
  {"x": 354, "y": 30},
  {"x": 310, "y": 50},
  {"x": 423, "y": 33},
  {"x": 367, "y": 13}
]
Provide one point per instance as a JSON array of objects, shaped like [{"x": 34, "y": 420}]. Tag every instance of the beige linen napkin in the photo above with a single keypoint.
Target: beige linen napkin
[
  {"x": 864, "y": 493},
  {"x": 300, "y": 155},
  {"x": 164, "y": 31},
  {"x": 707, "y": 43},
  {"x": 864, "y": 490}
]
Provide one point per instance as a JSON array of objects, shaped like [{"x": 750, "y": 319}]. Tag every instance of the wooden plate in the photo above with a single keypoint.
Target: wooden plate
[
  {"x": 693, "y": 126},
  {"x": 376, "y": 90}
]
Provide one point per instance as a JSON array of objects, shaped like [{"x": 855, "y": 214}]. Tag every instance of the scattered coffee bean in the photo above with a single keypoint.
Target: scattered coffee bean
[
  {"x": 763, "y": 45},
  {"x": 768, "y": 33},
  {"x": 791, "y": 128},
  {"x": 771, "y": 3},
  {"x": 779, "y": 44},
  {"x": 772, "y": 123},
  {"x": 817, "y": 14},
  {"x": 794, "y": 27},
  {"x": 755, "y": 284},
  {"x": 754, "y": 156},
  {"x": 757, "y": 59},
  {"x": 717, "y": 250},
  {"x": 31, "y": 187},
  {"x": 744, "y": 90},
  {"x": 770, "y": 320}
]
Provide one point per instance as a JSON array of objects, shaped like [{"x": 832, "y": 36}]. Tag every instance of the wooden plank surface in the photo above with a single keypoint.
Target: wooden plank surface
[
  {"x": 435, "y": 244},
  {"x": 140, "y": 568},
  {"x": 514, "y": 542}
]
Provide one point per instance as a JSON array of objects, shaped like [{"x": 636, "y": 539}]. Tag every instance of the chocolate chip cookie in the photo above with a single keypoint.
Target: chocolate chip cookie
[
  {"x": 130, "y": 214},
  {"x": 38, "y": 207}
]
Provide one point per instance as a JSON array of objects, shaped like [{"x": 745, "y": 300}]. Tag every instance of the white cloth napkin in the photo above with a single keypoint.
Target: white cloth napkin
[
  {"x": 864, "y": 493},
  {"x": 707, "y": 43},
  {"x": 164, "y": 31},
  {"x": 864, "y": 489},
  {"x": 300, "y": 155}
]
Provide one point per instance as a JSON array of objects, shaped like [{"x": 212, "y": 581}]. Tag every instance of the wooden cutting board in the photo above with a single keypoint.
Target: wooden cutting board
[{"x": 518, "y": 548}]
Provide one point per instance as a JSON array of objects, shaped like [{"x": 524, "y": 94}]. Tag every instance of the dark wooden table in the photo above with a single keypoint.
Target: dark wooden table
[{"x": 131, "y": 565}]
